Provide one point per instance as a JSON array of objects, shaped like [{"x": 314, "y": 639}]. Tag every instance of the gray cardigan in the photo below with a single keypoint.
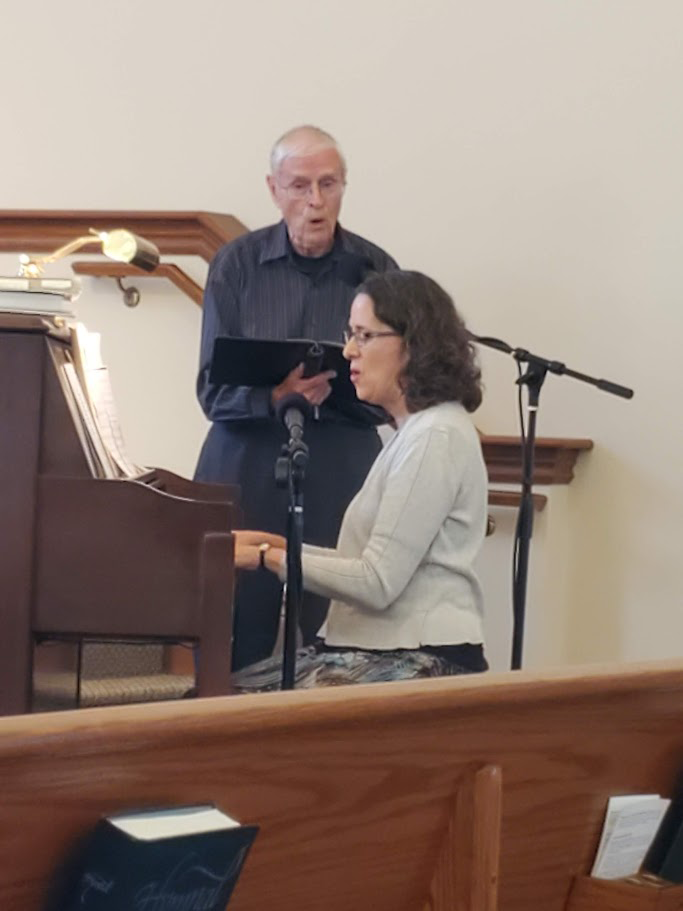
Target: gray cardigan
[{"x": 402, "y": 573}]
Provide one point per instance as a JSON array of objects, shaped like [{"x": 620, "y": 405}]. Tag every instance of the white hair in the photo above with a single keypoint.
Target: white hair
[{"x": 302, "y": 140}]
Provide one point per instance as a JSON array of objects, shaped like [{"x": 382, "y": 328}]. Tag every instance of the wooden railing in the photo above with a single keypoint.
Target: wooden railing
[
  {"x": 173, "y": 273},
  {"x": 179, "y": 233},
  {"x": 202, "y": 234},
  {"x": 174, "y": 233}
]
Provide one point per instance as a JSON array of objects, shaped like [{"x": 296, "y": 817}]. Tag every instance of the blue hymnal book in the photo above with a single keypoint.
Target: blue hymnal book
[{"x": 187, "y": 857}]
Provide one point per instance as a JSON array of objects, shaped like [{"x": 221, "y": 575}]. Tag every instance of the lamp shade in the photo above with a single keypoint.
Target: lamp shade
[{"x": 125, "y": 247}]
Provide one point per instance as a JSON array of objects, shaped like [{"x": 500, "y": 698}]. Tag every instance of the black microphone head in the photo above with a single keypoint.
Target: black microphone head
[{"x": 294, "y": 400}]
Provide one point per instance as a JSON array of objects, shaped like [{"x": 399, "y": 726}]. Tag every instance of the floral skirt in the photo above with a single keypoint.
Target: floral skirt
[{"x": 340, "y": 667}]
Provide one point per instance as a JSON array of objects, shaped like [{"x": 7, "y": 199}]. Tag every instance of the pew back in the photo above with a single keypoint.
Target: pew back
[{"x": 354, "y": 788}]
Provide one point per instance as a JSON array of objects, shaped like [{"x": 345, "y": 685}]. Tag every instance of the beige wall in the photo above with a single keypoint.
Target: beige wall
[{"x": 527, "y": 154}]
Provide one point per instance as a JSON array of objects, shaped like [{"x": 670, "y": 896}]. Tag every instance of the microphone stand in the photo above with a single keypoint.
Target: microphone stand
[
  {"x": 536, "y": 371},
  {"x": 290, "y": 470}
]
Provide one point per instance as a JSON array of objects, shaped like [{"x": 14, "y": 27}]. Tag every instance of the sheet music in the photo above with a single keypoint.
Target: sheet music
[
  {"x": 59, "y": 357},
  {"x": 108, "y": 467},
  {"x": 96, "y": 383}
]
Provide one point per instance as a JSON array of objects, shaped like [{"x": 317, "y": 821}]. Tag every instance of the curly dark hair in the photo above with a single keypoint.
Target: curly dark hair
[{"x": 441, "y": 364}]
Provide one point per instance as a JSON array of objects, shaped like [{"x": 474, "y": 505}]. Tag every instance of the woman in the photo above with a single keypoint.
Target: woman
[{"x": 405, "y": 598}]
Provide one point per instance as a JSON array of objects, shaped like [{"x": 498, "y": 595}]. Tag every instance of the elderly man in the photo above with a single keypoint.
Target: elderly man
[{"x": 295, "y": 279}]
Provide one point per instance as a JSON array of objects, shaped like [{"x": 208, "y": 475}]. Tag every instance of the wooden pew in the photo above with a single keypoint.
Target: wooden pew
[{"x": 383, "y": 797}]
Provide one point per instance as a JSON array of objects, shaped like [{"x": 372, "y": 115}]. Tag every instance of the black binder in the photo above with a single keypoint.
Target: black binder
[{"x": 266, "y": 362}]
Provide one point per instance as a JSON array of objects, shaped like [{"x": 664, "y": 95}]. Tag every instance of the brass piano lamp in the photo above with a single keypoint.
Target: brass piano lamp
[{"x": 119, "y": 244}]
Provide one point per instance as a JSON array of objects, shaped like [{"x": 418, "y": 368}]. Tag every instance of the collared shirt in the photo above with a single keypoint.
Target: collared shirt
[{"x": 256, "y": 290}]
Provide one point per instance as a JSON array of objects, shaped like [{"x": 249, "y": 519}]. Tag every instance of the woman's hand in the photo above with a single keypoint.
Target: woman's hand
[
  {"x": 248, "y": 550},
  {"x": 247, "y": 556},
  {"x": 275, "y": 559},
  {"x": 258, "y": 537}
]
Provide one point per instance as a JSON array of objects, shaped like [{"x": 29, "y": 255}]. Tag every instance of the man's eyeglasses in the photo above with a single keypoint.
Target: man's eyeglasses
[
  {"x": 328, "y": 187},
  {"x": 362, "y": 336}
]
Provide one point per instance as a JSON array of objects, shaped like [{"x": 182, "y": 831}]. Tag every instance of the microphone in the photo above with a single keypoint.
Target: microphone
[
  {"x": 292, "y": 410},
  {"x": 496, "y": 343}
]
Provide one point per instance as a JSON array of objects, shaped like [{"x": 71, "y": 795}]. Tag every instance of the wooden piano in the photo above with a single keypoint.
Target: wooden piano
[{"x": 82, "y": 556}]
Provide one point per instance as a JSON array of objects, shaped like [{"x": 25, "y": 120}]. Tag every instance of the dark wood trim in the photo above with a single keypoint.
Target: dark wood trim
[
  {"x": 164, "y": 270},
  {"x": 513, "y": 497},
  {"x": 179, "y": 233},
  {"x": 554, "y": 462}
]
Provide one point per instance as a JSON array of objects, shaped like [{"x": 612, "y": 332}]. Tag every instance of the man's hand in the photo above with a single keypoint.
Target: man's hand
[{"x": 313, "y": 388}]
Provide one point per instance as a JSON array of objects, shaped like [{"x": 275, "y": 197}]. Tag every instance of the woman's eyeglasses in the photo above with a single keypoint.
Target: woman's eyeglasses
[{"x": 362, "y": 336}]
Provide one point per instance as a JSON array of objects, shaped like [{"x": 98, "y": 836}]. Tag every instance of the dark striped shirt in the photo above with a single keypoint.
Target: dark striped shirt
[{"x": 256, "y": 289}]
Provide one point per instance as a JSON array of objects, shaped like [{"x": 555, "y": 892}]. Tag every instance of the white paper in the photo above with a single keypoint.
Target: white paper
[
  {"x": 172, "y": 823},
  {"x": 630, "y": 825},
  {"x": 96, "y": 385}
]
